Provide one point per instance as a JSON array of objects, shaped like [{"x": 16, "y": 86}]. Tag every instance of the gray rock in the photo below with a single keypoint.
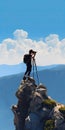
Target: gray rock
[
  {"x": 57, "y": 116},
  {"x": 61, "y": 127},
  {"x": 30, "y": 113},
  {"x": 33, "y": 122},
  {"x": 43, "y": 113},
  {"x": 36, "y": 102},
  {"x": 27, "y": 88},
  {"x": 42, "y": 90}
]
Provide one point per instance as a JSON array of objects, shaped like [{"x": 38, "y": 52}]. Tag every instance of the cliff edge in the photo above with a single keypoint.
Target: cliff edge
[{"x": 35, "y": 110}]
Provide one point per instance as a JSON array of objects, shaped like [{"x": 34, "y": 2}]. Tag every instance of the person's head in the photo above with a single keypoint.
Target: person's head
[{"x": 31, "y": 52}]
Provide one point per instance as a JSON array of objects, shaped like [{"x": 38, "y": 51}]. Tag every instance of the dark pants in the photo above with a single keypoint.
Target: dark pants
[{"x": 28, "y": 71}]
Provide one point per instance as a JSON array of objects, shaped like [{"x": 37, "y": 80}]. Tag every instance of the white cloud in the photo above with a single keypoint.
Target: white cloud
[
  {"x": 20, "y": 34},
  {"x": 49, "y": 51}
]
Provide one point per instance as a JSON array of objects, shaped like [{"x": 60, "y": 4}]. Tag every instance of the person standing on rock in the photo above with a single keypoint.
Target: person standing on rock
[{"x": 27, "y": 59}]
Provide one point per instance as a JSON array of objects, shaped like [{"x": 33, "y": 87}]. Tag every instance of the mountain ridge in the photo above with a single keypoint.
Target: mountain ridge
[{"x": 6, "y": 70}]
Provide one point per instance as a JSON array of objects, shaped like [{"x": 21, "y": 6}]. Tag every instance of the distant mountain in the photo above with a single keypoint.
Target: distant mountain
[
  {"x": 11, "y": 69},
  {"x": 6, "y": 70},
  {"x": 8, "y": 86},
  {"x": 59, "y": 67},
  {"x": 53, "y": 79}
]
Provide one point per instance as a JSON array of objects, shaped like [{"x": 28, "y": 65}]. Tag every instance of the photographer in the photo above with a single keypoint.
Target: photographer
[{"x": 28, "y": 59}]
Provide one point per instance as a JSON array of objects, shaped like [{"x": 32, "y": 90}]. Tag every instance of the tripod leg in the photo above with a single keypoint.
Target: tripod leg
[
  {"x": 33, "y": 71},
  {"x": 37, "y": 73}
]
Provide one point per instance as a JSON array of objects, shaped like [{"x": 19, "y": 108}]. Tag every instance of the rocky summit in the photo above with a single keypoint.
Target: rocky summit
[{"x": 35, "y": 110}]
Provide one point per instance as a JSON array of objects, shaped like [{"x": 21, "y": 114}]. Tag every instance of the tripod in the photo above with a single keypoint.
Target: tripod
[{"x": 34, "y": 65}]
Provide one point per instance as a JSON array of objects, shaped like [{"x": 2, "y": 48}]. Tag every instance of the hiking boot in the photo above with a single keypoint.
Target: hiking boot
[{"x": 24, "y": 78}]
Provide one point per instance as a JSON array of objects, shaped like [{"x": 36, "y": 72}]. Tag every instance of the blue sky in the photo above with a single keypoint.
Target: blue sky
[{"x": 40, "y": 19}]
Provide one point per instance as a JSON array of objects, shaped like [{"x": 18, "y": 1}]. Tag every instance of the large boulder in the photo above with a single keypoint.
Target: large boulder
[
  {"x": 26, "y": 88},
  {"x": 24, "y": 95}
]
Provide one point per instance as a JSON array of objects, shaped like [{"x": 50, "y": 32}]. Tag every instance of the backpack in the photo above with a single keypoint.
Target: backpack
[{"x": 26, "y": 58}]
